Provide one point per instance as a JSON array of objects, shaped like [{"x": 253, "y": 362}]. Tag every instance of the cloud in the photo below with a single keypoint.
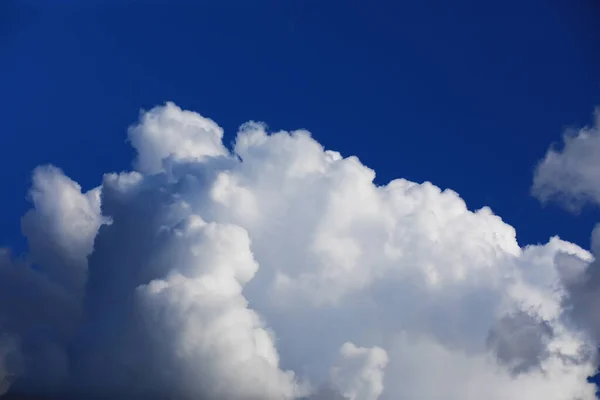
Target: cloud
[
  {"x": 61, "y": 227},
  {"x": 279, "y": 270},
  {"x": 571, "y": 175},
  {"x": 173, "y": 132},
  {"x": 360, "y": 372},
  {"x": 572, "y": 178}
]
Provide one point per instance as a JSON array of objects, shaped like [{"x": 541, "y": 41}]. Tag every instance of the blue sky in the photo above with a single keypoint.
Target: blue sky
[{"x": 463, "y": 94}]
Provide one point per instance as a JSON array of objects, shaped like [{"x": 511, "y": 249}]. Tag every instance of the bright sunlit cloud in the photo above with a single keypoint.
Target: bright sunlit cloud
[{"x": 278, "y": 270}]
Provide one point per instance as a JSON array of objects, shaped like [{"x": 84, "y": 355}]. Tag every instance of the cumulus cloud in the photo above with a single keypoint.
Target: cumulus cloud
[
  {"x": 279, "y": 270},
  {"x": 61, "y": 227},
  {"x": 360, "y": 372},
  {"x": 571, "y": 175},
  {"x": 173, "y": 132}
]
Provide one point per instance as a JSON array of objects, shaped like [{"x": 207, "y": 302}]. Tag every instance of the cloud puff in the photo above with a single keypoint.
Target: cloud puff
[
  {"x": 279, "y": 270},
  {"x": 571, "y": 175},
  {"x": 61, "y": 227},
  {"x": 173, "y": 132},
  {"x": 360, "y": 372}
]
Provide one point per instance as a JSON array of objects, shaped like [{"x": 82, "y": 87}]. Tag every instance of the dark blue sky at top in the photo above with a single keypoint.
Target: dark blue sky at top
[{"x": 466, "y": 94}]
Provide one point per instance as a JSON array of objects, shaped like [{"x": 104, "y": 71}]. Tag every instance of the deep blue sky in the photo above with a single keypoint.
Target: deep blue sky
[{"x": 467, "y": 94}]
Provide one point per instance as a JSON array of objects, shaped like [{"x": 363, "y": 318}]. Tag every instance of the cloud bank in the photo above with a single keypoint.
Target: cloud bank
[{"x": 279, "y": 270}]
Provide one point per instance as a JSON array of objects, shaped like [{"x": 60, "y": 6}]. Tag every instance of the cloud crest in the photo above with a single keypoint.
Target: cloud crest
[{"x": 280, "y": 271}]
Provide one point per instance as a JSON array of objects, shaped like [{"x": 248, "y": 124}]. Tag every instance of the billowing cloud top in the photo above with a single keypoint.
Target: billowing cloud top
[{"x": 278, "y": 270}]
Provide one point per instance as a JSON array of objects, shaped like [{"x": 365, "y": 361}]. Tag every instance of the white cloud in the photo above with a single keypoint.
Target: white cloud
[
  {"x": 571, "y": 175},
  {"x": 200, "y": 316},
  {"x": 170, "y": 132},
  {"x": 61, "y": 227},
  {"x": 241, "y": 275},
  {"x": 360, "y": 373}
]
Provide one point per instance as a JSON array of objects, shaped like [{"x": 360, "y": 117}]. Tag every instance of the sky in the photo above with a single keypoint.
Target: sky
[{"x": 465, "y": 95}]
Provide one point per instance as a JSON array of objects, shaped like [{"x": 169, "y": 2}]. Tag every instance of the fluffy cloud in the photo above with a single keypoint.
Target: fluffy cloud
[
  {"x": 572, "y": 175},
  {"x": 170, "y": 132},
  {"x": 61, "y": 227},
  {"x": 360, "y": 372},
  {"x": 278, "y": 270}
]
